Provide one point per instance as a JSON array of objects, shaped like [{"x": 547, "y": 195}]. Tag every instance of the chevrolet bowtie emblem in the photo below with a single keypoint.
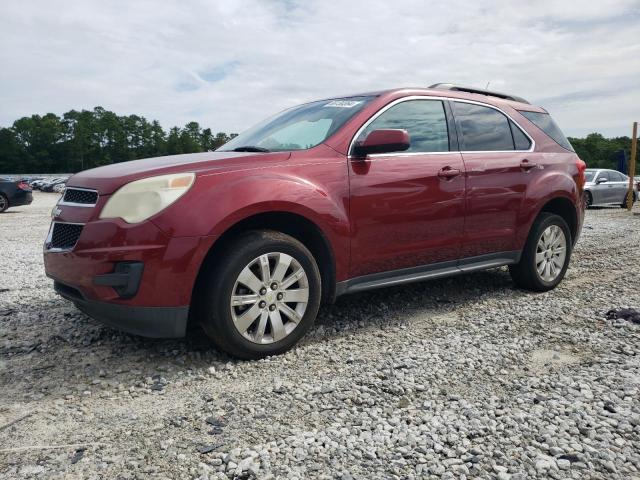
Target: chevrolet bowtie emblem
[{"x": 56, "y": 211}]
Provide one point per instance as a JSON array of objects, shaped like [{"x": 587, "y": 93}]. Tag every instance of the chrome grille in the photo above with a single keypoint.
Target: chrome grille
[
  {"x": 80, "y": 196},
  {"x": 64, "y": 236}
]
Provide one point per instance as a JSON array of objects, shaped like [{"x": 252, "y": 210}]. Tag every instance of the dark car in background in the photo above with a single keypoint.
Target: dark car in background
[
  {"x": 50, "y": 186},
  {"x": 14, "y": 193}
]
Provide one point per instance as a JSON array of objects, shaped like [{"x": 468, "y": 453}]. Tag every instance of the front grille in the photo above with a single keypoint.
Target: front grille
[
  {"x": 65, "y": 235},
  {"x": 85, "y": 197}
]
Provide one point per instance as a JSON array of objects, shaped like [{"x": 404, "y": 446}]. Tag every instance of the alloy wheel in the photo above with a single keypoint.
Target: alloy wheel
[
  {"x": 551, "y": 253},
  {"x": 269, "y": 298}
]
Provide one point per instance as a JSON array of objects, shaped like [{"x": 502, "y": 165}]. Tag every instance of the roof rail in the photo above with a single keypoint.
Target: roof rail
[{"x": 460, "y": 88}]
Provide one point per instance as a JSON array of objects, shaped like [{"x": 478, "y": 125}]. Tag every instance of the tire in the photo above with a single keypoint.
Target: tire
[
  {"x": 4, "y": 202},
  {"x": 525, "y": 274},
  {"x": 588, "y": 199},
  {"x": 624, "y": 202},
  {"x": 279, "y": 331}
]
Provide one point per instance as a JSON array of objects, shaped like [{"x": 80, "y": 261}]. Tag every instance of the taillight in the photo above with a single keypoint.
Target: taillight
[
  {"x": 581, "y": 169},
  {"x": 24, "y": 186}
]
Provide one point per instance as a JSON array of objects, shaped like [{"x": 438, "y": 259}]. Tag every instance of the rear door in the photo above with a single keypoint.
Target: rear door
[
  {"x": 407, "y": 208},
  {"x": 620, "y": 184},
  {"x": 499, "y": 162}
]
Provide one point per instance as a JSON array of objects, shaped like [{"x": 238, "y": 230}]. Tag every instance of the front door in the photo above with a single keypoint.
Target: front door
[
  {"x": 407, "y": 208},
  {"x": 603, "y": 189}
]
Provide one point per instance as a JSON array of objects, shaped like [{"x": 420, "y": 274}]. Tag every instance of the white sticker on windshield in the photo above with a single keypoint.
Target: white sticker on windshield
[{"x": 343, "y": 103}]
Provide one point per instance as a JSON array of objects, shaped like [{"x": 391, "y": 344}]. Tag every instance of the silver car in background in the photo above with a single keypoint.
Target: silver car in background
[{"x": 606, "y": 187}]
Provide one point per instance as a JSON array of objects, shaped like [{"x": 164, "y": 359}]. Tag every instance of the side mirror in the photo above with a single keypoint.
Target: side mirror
[
  {"x": 601, "y": 180},
  {"x": 382, "y": 141}
]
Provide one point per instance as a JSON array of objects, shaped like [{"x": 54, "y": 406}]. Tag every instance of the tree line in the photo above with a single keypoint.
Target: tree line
[
  {"x": 90, "y": 138},
  {"x": 600, "y": 152}
]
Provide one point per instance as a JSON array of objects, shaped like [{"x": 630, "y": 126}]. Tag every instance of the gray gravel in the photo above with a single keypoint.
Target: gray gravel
[{"x": 459, "y": 378}]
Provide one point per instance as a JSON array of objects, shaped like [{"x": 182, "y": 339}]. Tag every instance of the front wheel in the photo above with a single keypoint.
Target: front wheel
[
  {"x": 262, "y": 297},
  {"x": 588, "y": 199},
  {"x": 545, "y": 256}
]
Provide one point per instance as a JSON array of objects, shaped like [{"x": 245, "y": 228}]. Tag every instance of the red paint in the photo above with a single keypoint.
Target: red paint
[{"x": 377, "y": 214}]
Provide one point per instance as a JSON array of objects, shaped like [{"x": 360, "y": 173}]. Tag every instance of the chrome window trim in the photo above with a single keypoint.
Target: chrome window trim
[
  {"x": 442, "y": 99},
  {"x": 50, "y": 235},
  {"x": 74, "y": 204}
]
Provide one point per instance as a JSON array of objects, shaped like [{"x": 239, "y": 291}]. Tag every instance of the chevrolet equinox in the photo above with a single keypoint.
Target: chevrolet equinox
[{"x": 327, "y": 198}]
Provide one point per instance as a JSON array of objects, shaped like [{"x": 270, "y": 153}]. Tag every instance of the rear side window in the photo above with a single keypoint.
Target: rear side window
[
  {"x": 545, "y": 123},
  {"x": 616, "y": 177},
  {"x": 424, "y": 120},
  {"x": 483, "y": 128}
]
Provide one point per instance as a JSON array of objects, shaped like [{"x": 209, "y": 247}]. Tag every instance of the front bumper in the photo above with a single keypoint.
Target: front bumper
[
  {"x": 153, "y": 322},
  {"x": 132, "y": 277}
]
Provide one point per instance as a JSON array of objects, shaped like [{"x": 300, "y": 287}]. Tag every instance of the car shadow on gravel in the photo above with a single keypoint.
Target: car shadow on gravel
[{"x": 56, "y": 341}]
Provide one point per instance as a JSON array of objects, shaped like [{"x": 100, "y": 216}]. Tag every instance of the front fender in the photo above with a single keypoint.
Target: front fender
[{"x": 219, "y": 201}]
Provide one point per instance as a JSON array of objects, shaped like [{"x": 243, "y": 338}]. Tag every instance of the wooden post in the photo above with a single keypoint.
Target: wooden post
[{"x": 632, "y": 165}]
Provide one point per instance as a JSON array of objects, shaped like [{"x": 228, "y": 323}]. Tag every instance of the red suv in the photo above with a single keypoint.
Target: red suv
[{"x": 327, "y": 198}]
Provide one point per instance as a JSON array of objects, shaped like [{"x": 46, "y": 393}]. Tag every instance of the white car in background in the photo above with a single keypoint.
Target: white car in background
[{"x": 606, "y": 187}]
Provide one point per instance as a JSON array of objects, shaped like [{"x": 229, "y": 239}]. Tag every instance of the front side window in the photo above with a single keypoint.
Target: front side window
[
  {"x": 424, "y": 120},
  {"x": 298, "y": 128},
  {"x": 603, "y": 176},
  {"x": 483, "y": 128}
]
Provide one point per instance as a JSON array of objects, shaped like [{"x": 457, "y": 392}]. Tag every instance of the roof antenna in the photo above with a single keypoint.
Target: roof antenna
[{"x": 487, "y": 87}]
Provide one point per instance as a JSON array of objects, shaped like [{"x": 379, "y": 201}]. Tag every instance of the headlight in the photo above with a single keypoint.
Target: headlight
[{"x": 139, "y": 200}]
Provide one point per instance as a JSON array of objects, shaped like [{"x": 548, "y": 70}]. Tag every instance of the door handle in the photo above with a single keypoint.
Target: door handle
[
  {"x": 526, "y": 165},
  {"x": 448, "y": 173}
]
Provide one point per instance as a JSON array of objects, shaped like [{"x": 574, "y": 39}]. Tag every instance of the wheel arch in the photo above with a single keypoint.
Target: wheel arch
[
  {"x": 566, "y": 209},
  {"x": 295, "y": 225}
]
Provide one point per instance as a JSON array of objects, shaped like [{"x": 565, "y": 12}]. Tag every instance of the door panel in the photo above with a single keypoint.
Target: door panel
[
  {"x": 496, "y": 185},
  {"x": 599, "y": 191},
  {"x": 499, "y": 167},
  {"x": 620, "y": 186},
  {"x": 403, "y": 214}
]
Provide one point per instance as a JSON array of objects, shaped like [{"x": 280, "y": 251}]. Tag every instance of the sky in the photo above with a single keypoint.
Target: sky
[{"x": 227, "y": 64}]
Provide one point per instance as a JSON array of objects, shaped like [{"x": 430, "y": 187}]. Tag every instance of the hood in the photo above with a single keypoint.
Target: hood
[{"x": 109, "y": 178}]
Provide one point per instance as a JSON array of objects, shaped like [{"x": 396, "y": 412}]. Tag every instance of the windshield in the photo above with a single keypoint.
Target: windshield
[
  {"x": 588, "y": 175},
  {"x": 298, "y": 128}
]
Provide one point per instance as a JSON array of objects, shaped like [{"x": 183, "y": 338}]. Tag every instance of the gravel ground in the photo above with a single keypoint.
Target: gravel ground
[{"x": 459, "y": 378}]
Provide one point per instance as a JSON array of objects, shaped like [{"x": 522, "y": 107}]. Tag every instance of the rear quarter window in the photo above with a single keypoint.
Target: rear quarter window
[{"x": 545, "y": 123}]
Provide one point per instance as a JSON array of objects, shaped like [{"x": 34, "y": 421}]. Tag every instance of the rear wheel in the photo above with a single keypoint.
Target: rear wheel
[
  {"x": 262, "y": 297},
  {"x": 626, "y": 196},
  {"x": 4, "y": 202},
  {"x": 546, "y": 254}
]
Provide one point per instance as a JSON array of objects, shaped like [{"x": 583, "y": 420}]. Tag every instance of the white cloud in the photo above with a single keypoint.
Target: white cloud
[{"x": 227, "y": 64}]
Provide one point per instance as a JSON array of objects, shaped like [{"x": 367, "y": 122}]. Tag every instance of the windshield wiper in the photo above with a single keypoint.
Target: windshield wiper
[{"x": 250, "y": 148}]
